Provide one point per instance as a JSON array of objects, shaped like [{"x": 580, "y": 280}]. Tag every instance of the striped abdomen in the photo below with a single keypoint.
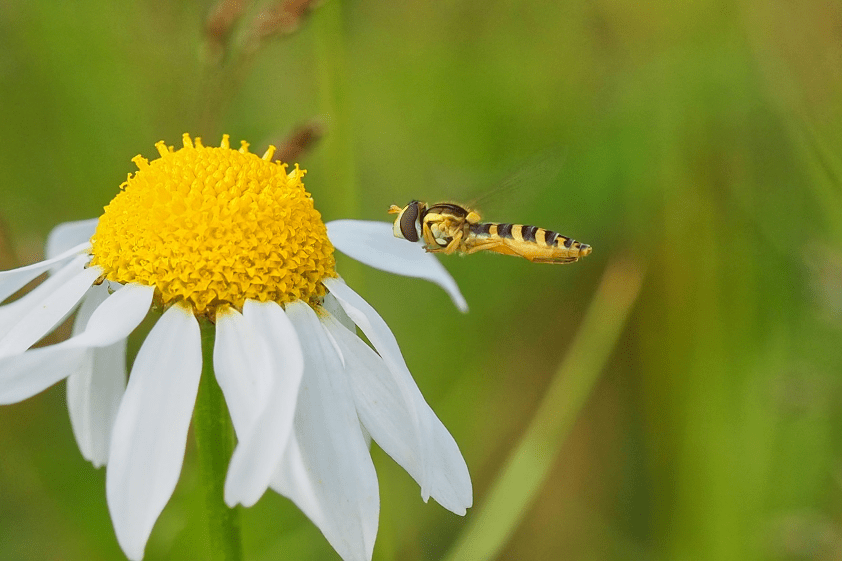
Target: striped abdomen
[{"x": 542, "y": 243}]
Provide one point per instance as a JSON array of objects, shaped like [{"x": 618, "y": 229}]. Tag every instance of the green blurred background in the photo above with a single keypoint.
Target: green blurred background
[{"x": 698, "y": 142}]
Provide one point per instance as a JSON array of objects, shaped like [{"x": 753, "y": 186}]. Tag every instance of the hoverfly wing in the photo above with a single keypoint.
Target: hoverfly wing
[{"x": 521, "y": 186}]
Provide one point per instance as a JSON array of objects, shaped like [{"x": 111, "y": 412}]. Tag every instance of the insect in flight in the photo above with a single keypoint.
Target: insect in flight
[{"x": 447, "y": 228}]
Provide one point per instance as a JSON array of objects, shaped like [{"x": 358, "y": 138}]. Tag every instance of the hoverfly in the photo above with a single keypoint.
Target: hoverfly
[{"x": 447, "y": 228}]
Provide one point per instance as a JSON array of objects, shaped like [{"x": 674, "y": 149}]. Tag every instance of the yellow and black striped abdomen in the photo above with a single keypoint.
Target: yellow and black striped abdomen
[{"x": 531, "y": 242}]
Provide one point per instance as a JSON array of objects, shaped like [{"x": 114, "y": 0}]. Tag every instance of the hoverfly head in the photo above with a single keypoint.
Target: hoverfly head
[{"x": 407, "y": 224}]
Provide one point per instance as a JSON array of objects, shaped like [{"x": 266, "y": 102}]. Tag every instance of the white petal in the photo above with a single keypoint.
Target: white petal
[
  {"x": 364, "y": 316},
  {"x": 94, "y": 389},
  {"x": 381, "y": 405},
  {"x": 24, "y": 375},
  {"x": 47, "y": 314},
  {"x": 327, "y": 470},
  {"x": 333, "y": 306},
  {"x": 14, "y": 279},
  {"x": 116, "y": 317},
  {"x": 384, "y": 411},
  {"x": 334, "y": 342},
  {"x": 370, "y": 322},
  {"x": 243, "y": 368},
  {"x": 11, "y": 314},
  {"x": 373, "y": 243},
  {"x": 94, "y": 392},
  {"x": 444, "y": 474},
  {"x": 69, "y": 234},
  {"x": 293, "y": 479},
  {"x": 95, "y": 296},
  {"x": 150, "y": 432},
  {"x": 259, "y": 451},
  {"x": 367, "y": 437}
]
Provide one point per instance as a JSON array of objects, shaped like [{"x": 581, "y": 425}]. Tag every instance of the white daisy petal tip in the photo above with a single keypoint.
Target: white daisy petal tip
[
  {"x": 373, "y": 243},
  {"x": 149, "y": 436}
]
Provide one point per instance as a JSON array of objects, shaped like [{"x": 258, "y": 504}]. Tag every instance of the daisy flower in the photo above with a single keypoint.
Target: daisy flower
[{"x": 219, "y": 235}]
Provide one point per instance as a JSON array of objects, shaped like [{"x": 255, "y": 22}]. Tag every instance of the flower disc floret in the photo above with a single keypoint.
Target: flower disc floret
[{"x": 214, "y": 225}]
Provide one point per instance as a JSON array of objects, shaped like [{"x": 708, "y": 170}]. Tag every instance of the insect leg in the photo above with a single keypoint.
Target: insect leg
[
  {"x": 491, "y": 246},
  {"x": 534, "y": 254},
  {"x": 454, "y": 244},
  {"x": 553, "y": 260},
  {"x": 429, "y": 241}
]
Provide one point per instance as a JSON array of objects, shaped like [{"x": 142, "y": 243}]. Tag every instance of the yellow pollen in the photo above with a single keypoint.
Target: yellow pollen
[{"x": 214, "y": 226}]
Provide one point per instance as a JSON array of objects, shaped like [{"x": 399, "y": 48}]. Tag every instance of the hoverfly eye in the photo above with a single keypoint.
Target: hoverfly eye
[{"x": 408, "y": 222}]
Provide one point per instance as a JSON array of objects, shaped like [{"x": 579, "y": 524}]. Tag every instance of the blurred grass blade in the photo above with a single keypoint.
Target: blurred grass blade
[{"x": 510, "y": 496}]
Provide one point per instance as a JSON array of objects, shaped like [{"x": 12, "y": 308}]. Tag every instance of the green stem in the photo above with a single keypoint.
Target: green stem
[
  {"x": 214, "y": 444},
  {"x": 492, "y": 523}
]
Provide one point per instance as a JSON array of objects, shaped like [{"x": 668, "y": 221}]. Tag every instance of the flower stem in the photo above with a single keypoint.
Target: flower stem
[{"x": 214, "y": 444}]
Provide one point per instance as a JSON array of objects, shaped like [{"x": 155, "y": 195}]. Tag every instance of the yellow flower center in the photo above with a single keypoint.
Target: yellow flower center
[{"x": 215, "y": 226}]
